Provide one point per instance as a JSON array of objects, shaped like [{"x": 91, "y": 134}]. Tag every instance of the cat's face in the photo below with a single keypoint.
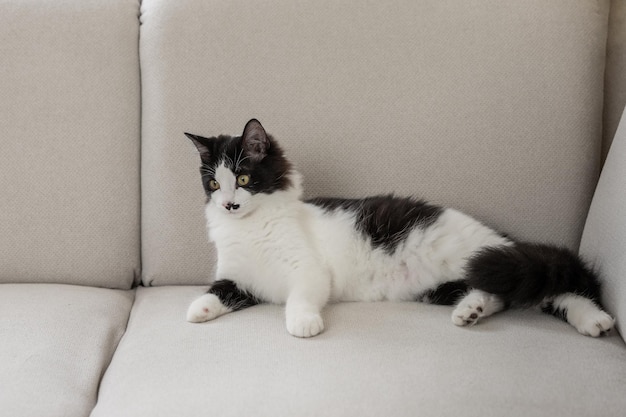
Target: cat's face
[{"x": 236, "y": 170}]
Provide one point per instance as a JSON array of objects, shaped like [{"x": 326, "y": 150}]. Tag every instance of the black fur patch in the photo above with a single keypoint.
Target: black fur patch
[
  {"x": 231, "y": 296},
  {"x": 387, "y": 220},
  {"x": 446, "y": 294},
  {"x": 560, "y": 313},
  {"x": 525, "y": 274}
]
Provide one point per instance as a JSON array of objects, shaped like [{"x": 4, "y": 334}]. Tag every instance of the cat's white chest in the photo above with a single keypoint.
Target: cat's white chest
[{"x": 258, "y": 252}]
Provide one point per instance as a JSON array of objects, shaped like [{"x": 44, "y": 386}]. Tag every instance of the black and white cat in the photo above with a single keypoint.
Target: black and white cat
[{"x": 274, "y": 247}]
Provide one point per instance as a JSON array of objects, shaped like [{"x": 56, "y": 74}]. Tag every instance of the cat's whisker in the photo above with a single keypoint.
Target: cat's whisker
[
  {"x": 240, "y": 161},
  {"x": 207, "y": 172}
]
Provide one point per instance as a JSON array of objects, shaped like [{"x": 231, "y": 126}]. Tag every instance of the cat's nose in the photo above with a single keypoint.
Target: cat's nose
[{"x": 230, "y": 206}]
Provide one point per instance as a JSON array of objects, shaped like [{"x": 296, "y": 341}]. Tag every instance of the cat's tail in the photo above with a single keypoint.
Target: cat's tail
[{"x": 525, "y": 274}]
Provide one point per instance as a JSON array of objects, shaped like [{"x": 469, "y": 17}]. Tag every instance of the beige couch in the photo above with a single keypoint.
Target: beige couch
[{"x": 504, "y": 109}]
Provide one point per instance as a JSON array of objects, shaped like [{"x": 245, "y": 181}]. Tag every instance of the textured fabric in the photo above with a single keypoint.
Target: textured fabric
[
  {"x": 376, "y": 359},
  {"x": 615, "y": 83},
  {"x": 494, "y": 108},
  {"x": 604, "y": 237},
  {"x": 69, "y": 140},
  {"x": 56, "y": 342}
]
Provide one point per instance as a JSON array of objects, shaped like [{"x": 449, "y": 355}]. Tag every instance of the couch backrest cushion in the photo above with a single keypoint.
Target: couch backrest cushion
[
  {"x": 615, "y": 83},
  {"x": 604, "y": 236},
  {"x": 494, "y": 108},
  {"x": 69, "y": 135}
]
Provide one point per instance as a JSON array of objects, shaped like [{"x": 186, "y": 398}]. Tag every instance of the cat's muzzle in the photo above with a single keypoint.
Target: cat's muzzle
[{"x": 231, "y": 206}]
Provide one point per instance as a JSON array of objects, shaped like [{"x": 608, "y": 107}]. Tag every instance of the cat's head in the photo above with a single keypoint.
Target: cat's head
[{"x": 238, "y": 171}]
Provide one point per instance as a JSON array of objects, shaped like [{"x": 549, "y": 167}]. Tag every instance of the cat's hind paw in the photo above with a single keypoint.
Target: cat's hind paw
[
  {"x": 305, "y": 324},
  {"x": 474, "y": 306},
  {"x": 206, "y": 308},
  {"x": 596, "y": 325},
  {"x": 467, "y": 315},
  {"x": 582, "y": 313},
  {"x": 470, "y": 309}
]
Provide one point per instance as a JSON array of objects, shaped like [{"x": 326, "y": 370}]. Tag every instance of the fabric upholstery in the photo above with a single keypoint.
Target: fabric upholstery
[
  {"x": 494, "y": 108},
  {"x": 69, "y": 140},
  {"x": 374, "y": 359},
  {"x": 615, "y": 83},
  {"x": 604, "y": 237},
  {"x": 56, "y": 342}
]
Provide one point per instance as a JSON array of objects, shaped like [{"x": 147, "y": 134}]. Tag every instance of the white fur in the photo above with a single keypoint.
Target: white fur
[
  {"x": 206, "y": 308},
  {"x": 584, "y": 314},
  {"x": 285, "y": 251}
]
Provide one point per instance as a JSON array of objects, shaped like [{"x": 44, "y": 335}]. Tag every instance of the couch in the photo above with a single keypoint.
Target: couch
[{"x": 507, "y": 110}]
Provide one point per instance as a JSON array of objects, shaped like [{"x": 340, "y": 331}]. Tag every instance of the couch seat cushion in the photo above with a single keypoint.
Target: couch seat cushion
[
  {"x": 55, "y": 343},
  {"x": 378, "y": 359}
]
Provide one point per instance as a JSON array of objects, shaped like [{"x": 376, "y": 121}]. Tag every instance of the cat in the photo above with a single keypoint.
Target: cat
[{"x": 274, "y": 247}]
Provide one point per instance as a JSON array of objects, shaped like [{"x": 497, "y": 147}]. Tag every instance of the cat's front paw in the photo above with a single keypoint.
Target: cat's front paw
[
  {"x": 595, "y": 325},
  {"x": 305, "y": 324},
  {"x": 206, "y": 308}
]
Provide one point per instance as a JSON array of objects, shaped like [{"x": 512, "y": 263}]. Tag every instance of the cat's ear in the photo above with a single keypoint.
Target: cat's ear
[
  {"x": 255, "y": 141},
  {"x": 203, "y": 144}
]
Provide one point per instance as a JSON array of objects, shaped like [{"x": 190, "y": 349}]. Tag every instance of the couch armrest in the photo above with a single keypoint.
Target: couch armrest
[{"x": 604, "y": 237}]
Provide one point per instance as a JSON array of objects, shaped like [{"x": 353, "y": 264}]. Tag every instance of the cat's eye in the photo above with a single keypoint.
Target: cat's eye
[
  {"x": 214, "y": 185},
  {"x": 243, "y": 180}
]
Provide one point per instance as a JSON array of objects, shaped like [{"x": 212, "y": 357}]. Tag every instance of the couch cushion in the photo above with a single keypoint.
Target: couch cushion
[
  {"x": 69, "y": 135},
  {"x": 494, "y": 108},
  {"x": 604, "y": 237},
  {"x": 56, "y": 341},
  {"x": 376, "y": 359}
]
